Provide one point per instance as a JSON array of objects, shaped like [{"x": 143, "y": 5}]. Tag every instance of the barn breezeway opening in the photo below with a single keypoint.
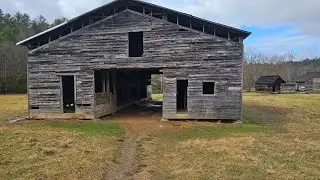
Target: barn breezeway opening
[
  {"x": 134, "y": 93},
  {"x": 121, "y": 91}
]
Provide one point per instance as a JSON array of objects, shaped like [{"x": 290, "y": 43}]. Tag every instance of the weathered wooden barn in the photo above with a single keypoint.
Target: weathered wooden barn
[
  {"x": 269, "y": 83},
  {"x": 91, "y": 65},
  {"x": 309, "y": 82},
  {"x": 289, "y": 87}
]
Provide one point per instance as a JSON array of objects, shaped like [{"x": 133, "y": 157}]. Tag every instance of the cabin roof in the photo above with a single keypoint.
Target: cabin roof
[
  {"x": 308, "y": 76},
  {"x": 136, "y": 5},
  {"x": 270, "y": 80}
]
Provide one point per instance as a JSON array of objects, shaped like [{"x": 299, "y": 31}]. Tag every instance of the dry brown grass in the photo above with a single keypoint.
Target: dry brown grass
[
  {"x": 282, "y": 143},
  {"x": 42, "y": 151},
  {"x": 13, "y": 106}
]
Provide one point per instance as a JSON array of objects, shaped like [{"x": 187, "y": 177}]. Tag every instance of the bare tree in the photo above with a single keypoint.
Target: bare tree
[{"x": 258, "y": 64}]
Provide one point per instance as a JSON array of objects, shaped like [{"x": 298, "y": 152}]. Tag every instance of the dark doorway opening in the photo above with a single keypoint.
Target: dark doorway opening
[
  {"x": 68, "y": 94},
  {"x": 273, "y": 88},
  {"x": 182, "y": 95},
  {"x": 135, "y": 44}
]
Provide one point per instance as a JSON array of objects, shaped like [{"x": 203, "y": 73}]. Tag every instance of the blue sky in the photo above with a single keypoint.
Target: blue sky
[
  {"x": 277, "y": 26},
  {"x": 282, "y": 39}
]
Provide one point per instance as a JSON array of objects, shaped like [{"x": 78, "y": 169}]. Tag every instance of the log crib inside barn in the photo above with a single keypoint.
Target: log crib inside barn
[{"x": 90, "y": 65}]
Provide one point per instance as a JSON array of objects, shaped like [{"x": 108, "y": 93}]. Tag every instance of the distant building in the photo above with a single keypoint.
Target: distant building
[
  {"x": 269, "y": 83},
  {"x": 309, "y": 82},
  {"x": 289, "y": 87}
]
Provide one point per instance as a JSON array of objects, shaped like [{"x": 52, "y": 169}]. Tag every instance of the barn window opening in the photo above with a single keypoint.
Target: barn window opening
[
  {"x": 135, "y": 44},
  {"x": 208, "y": 87},
  {"x": 35, "y": 107}
]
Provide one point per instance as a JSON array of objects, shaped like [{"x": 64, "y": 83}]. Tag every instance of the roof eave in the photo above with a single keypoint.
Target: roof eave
[{"x": 240, "y": 31}]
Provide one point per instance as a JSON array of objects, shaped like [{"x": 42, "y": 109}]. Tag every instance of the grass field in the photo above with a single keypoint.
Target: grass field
[
  {"x": 58, "y": 150},
  {"x": 12, "y": 106},
  {"x": 279, "y": 139},
  {"x": 157, "y": 97}
]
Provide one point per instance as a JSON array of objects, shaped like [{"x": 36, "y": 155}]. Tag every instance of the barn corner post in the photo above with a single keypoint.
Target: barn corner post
[
  {"x": 28, "y": 93},
  {"x": 93, "y": 66},
  {"x": 242, "y": 79}
]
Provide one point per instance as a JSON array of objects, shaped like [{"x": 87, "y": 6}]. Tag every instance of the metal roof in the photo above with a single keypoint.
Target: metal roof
[
  {"x": 272, "y": 79},
  {"x": 308, "y": 76},
  {"x": 114, "y": 3}
]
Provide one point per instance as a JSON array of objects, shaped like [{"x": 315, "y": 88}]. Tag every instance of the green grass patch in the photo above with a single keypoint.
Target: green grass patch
[
  {"x": 251, "y": 115},
  {"x": 157, "y": 97},
  {"x": 90, "y": 128},
  {"x": 14, "y": 99},
  {"x": 254, "y": 121},
  {"x": 13, "y": 106}
]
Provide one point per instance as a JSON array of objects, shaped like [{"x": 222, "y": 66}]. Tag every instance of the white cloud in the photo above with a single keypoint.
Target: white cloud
[
  {"x": 48, "y": 8},
  {"x": 70, "y": 8},
  {"x": 304, "y": 14}
]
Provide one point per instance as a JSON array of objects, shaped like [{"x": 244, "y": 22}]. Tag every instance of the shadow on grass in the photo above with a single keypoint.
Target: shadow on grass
[
  {"x": 89, "y": 128},
  {"x": 209, "y": 132},
  {"x": 262, "y": 114},
  {"x": 255, "y": 120}
]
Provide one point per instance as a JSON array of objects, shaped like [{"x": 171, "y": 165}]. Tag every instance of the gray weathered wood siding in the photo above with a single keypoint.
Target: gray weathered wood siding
[
  {"x": 191, "y": 55},
  {"x": 312, "y": 85}
]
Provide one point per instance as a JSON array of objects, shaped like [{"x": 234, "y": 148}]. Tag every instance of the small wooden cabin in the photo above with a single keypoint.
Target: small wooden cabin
[
  {"x": 92, "y": 65},
  {"x": 289, "y": 87},
  {"x": 309, "y": 82},
  {"x": 269, "y": 83}
]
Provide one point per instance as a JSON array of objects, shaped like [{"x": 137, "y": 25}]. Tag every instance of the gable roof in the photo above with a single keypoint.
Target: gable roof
[
  {"x": 116, "y": 6},
  {"x": 308, "y": 76},
  {"x": 269, "y": 80}
]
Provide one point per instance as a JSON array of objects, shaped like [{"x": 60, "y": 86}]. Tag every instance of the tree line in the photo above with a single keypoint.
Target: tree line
[
  {"x": 13, "y": 59},
  {"x": 19, "y": 26}
]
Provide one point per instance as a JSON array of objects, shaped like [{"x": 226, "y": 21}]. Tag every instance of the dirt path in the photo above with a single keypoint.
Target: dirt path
[
  {"x": 126, "y": 164},
  {"x": 140, "y": 128},
  {"x": 137, "y": 157}
]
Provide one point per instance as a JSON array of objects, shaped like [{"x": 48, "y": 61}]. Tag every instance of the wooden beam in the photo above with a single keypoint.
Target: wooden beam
[
  {"x": 229, "y": 35},
  {"x": 240, "y": 39},
  {"x": 202, "y": 27},
  {"x": 190, "y": 23},
  {"x": 165, "y": 17},
  {"x": 49, "y": 38},
  {"x": 214, "y": 31},
  {"x": 178, "y": 20},
  {"x": 151, "y": 12},
  {"x": 144, "y": 10}
]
